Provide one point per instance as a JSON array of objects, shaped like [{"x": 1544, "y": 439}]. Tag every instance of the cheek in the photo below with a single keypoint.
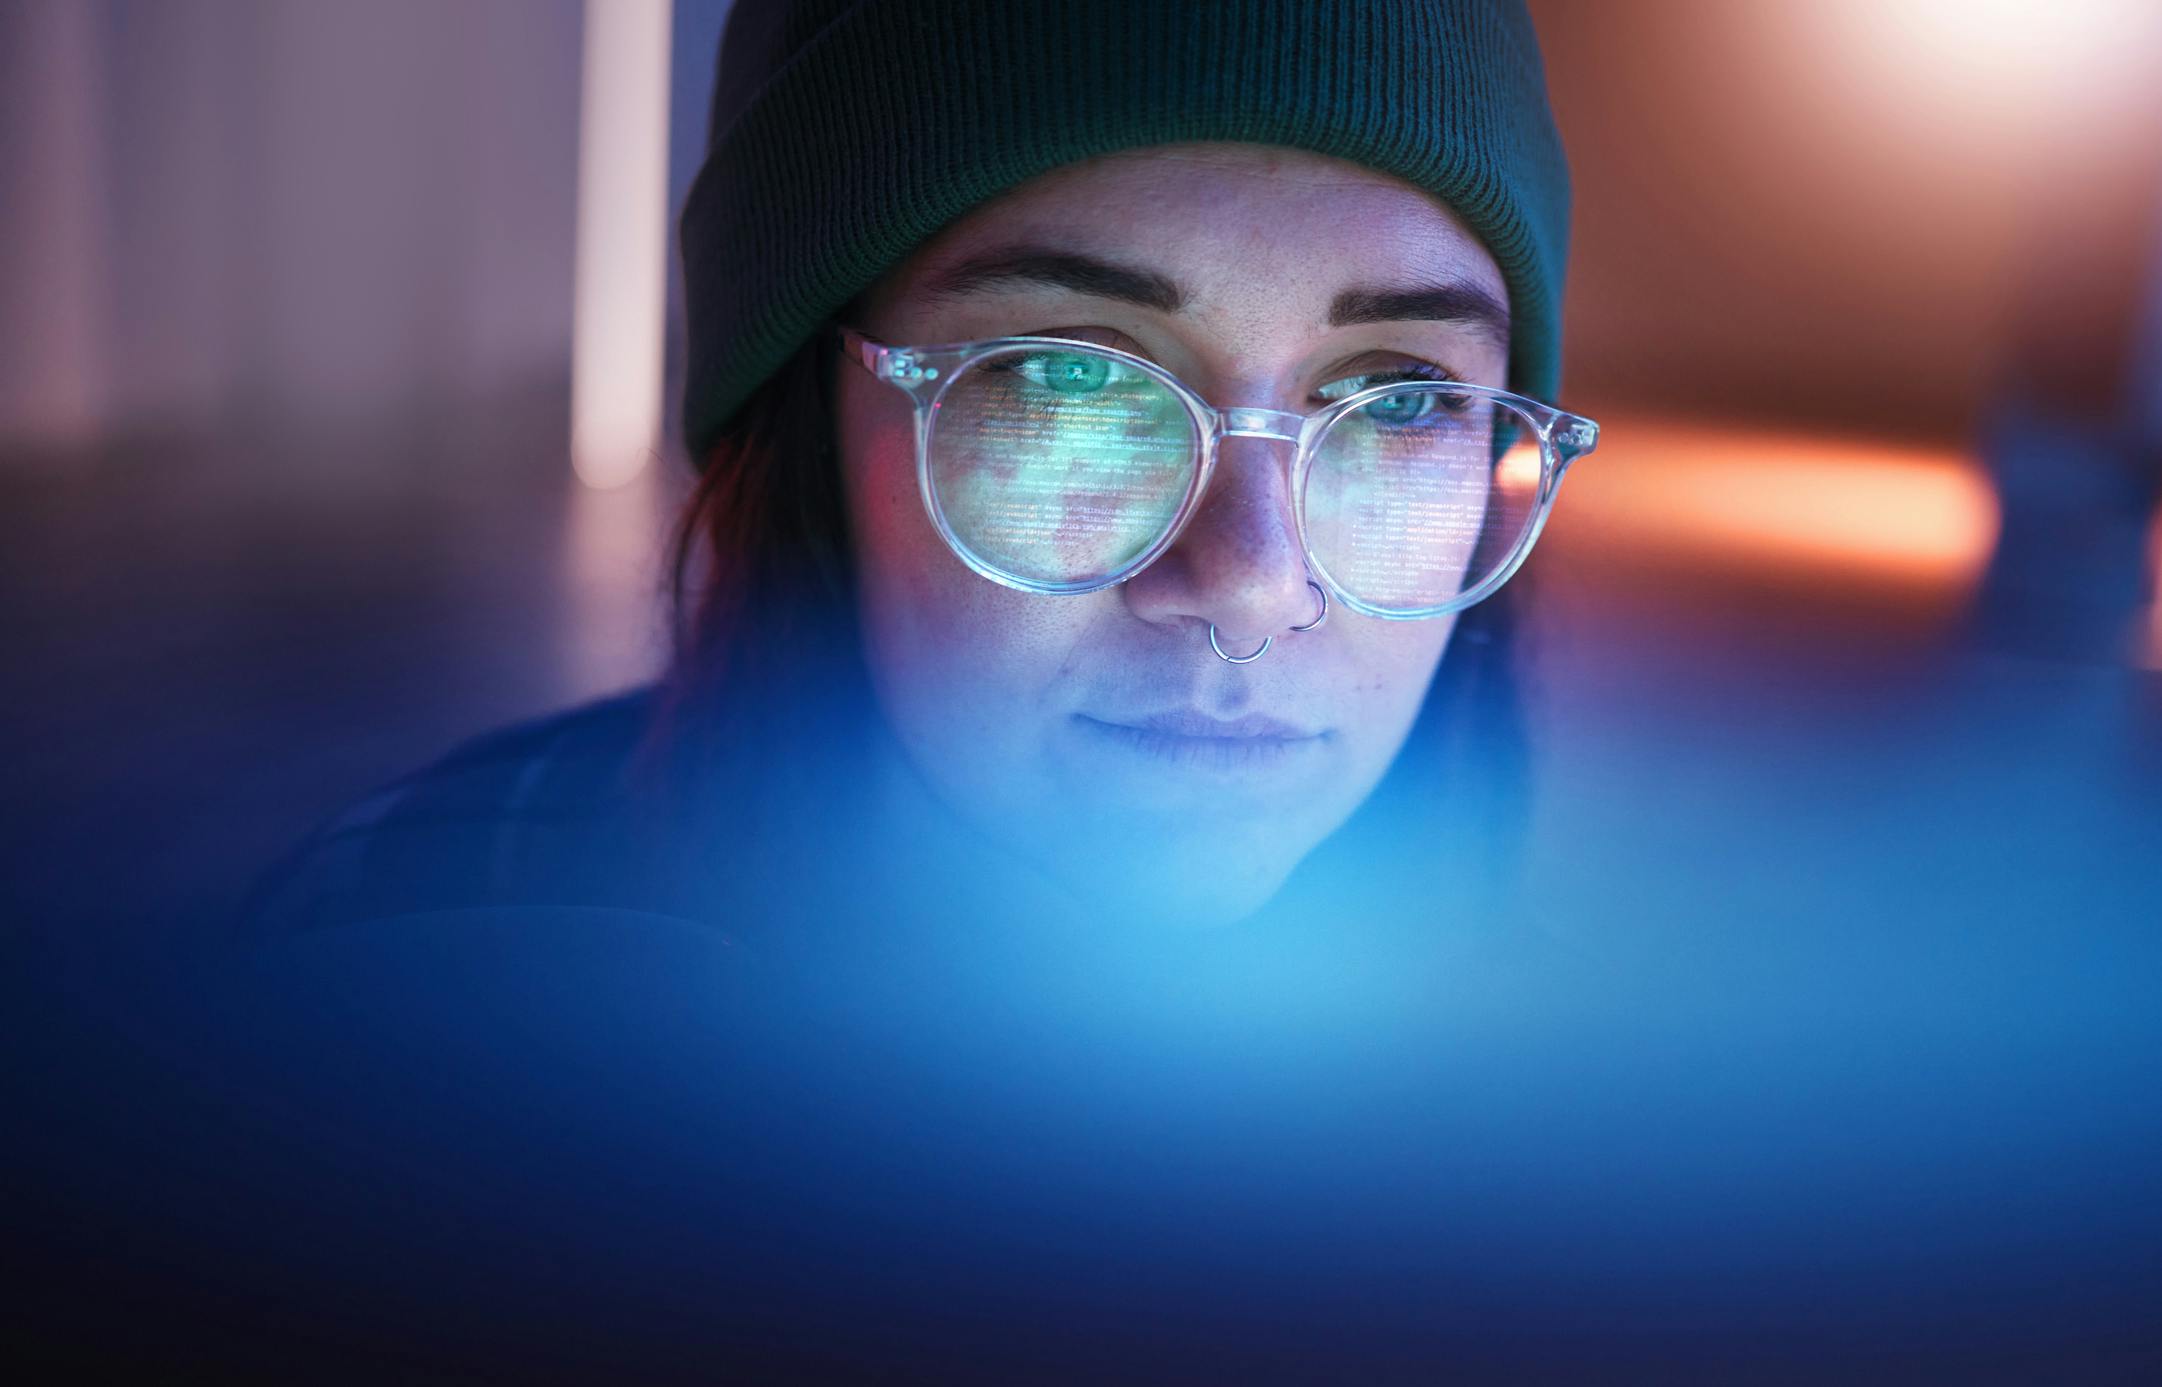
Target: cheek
[
  {"x": 896, "y": 550},
  {"x": 1396, "y": 661},
  {"x": 953, "y": 655}
]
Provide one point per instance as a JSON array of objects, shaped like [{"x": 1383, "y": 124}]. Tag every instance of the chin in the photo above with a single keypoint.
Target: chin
[
  {"x": 1184, "y": 871},
  {"x": 1199, "y": 893}
]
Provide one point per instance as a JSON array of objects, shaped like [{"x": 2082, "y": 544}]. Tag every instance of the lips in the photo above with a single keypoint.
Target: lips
[
  {"x": 1190, "y": 722},
  {"x": 1189, "y": 738}
]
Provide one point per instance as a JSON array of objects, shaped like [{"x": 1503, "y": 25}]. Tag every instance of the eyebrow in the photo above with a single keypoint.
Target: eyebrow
[
  {"x": 1083, "y": 274},
  {"x": 1446, "y": 301},
  {"x": 1451, "y": 301}
]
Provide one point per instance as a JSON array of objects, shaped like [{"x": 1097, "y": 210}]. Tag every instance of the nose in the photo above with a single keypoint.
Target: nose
[{"x": 1237, "y": 565}]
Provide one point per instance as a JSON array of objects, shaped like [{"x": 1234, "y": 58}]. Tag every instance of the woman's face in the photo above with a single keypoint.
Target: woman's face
[{"x": 1097, "y": 736}]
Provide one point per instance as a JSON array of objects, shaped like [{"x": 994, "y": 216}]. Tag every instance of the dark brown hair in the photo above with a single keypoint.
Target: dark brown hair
[{"x": 760, "y": 571}]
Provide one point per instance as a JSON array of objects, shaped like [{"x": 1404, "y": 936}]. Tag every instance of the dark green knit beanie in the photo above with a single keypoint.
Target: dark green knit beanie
[{"x": 845, "y": 133}]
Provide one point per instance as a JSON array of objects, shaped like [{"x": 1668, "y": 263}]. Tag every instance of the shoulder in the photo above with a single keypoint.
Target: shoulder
[{"x": 535, "y": 813}]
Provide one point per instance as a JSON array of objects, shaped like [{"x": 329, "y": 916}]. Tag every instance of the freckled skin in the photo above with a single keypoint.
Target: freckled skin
[{"x": 984, "y": 687}]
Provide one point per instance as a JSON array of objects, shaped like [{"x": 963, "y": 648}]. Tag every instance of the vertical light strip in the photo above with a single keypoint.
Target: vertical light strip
[{"x": 620, "y": 295}]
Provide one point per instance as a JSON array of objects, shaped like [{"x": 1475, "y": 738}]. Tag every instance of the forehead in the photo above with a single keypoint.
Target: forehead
[{"x": 1229, "y": 221}]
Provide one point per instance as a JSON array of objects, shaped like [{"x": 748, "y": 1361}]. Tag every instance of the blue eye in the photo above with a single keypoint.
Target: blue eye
[
  {"x": 1399, "y": 411},
  {"x": 1069, "y": 373}
]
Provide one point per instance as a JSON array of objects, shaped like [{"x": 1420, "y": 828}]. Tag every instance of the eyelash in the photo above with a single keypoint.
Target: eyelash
[
  {"x": 1336, "y": 389},
  {"x": 1352, "y": 385}
]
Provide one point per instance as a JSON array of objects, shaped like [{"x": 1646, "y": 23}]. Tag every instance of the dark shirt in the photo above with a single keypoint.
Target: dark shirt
[{"x": 540, "y": 813}]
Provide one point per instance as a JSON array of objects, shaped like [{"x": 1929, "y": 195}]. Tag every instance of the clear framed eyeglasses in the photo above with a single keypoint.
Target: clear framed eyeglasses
[{"x": 1056, "y": 466}]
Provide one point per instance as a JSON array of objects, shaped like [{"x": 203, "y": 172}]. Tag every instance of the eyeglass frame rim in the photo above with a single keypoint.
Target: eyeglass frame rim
[{"x": 925, "y": 373}]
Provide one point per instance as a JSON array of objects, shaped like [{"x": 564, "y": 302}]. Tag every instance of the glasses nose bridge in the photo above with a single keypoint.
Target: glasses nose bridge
[{"x": 1247, "y": 421}]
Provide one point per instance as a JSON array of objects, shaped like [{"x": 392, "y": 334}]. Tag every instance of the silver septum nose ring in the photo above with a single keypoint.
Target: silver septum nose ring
[{"x": 1266, "y": 641}]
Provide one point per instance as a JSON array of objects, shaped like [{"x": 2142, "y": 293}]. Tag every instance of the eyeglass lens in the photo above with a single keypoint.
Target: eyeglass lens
[
  {"x": 1061, "y": 468},
  {"x": 1415, "y": 499}
]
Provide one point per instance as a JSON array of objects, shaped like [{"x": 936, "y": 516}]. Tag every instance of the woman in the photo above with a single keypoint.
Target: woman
[
  {"x": 1105, "y": 418},
  {"x": 1115, "y": 422}
]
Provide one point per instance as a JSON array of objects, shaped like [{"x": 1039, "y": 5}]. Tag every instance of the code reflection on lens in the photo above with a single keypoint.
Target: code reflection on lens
[
  {"x": 1405, "y": 506},
  {"x": 1060, "y": 467}
]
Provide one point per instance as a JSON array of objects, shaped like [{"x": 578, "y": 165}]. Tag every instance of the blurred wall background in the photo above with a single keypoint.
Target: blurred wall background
[
  {"x": 1883, "y": 216},
  {"x": 328, "y": 210},
  {"x": 1877, "y": 287},
  {"x": 285, "y": 324}
]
